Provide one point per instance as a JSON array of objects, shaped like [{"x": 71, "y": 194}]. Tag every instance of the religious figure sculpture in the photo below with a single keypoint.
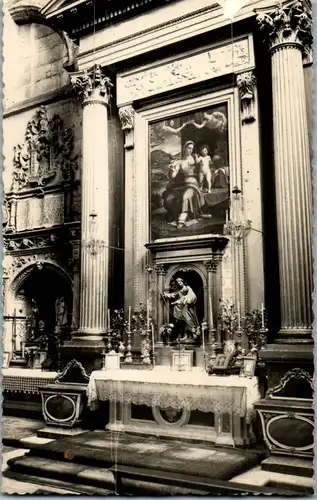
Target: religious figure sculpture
[
  {"x": 183, "y": 301},
  {"x": 60, "y": 313},
  {"x": 33, "y": 321},
  {"x": 183, "y": 199}
]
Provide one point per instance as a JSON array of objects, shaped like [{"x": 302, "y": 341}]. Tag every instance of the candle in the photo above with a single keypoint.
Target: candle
[
  {"x": 203, "y": 335},
  {"x": 227, "y": 217},
  {"x": 262, "y": 309},
  {"x": 129, "y": 317},
  {"x": 210, "y": 313},
  {"x": 109, "y": 326},
  {"x": 147, "y": 315},
  {"x": 153, "y": 357},
  {"x": 239, "y": 323}
]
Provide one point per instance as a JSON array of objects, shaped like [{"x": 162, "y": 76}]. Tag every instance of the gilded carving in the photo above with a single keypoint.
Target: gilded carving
[
  {"x": 91, "y": 84},
  {"x": 46, "y": 151},
  {"x": 246, "y": 83},
  {"x": 290, "y": 24}
]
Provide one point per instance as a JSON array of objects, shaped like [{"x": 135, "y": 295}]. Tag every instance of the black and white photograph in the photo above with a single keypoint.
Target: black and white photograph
[{"x": 157, "y": 248}]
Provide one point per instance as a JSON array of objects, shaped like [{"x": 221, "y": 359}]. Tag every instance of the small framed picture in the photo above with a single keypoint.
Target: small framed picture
[
  {"x": 248, "y": 368},
  {"x": 6, "y": 359},
  {"x": 221, "y": 363},
  {"x": 183, "y": 360}
]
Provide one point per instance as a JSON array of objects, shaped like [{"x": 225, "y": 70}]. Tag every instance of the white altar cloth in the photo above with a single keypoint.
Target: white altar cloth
[
  {"x": 194, "y": 390},
  {"x": 25, "y": 380}
]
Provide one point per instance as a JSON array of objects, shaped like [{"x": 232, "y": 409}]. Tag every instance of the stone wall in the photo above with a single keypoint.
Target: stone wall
[{"x": 33, "y": 61}]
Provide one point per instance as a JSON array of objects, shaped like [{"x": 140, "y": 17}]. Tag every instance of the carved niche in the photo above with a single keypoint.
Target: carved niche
[{"x": 46, "y": 154}]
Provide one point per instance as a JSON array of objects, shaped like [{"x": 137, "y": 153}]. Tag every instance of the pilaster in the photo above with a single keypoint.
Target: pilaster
[{"x": 126, "y": 115}]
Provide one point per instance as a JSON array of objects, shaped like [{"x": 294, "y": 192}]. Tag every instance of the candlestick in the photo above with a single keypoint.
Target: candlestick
[
  {"x": 262, "y": 309},
  {"x": 128, "y": 357},
  {"x": 227, "y": 218},
  {"x": 239, "y": 320},
  {"x": 109, "y": 326}
]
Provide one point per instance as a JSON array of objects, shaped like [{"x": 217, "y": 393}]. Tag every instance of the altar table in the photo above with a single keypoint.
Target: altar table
[
  {"x": 174, "y": 398},
  {"x": 25, "y": 380}
]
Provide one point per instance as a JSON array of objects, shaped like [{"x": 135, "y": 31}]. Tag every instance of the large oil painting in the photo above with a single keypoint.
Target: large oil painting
[{"x": 189, "y": 174}]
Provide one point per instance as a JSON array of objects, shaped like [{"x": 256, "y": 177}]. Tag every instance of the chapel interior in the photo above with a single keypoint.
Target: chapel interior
[{"x": 157, "y": 233}]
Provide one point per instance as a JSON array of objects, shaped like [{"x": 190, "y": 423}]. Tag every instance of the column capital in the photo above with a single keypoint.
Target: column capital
[
  {"x": 288, "y": 23},
  {"x": 211, "y": 265},
  {"x": 160, "y": 269},
  {"x": 92, "y": 85}
]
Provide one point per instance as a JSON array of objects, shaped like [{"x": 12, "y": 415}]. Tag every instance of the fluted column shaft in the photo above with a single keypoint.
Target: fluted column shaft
[
  {"x": 94, "y": 88},
  {"x": 292, "y": 167},
  {"x": 293, "y": 188}
]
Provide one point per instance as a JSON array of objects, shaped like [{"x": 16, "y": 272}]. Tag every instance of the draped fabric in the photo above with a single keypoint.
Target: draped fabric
[
  {"x": 177, "y": 390},
  {"x": 27, "y": 381}
]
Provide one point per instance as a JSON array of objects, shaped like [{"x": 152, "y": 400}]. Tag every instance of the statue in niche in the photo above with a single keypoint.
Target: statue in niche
[
  {"x": 61, "y": 318},
  {"x": 33, "y": 321},
  {"x": 184, "y": 301},
  {"x": 50, "y": 362}
]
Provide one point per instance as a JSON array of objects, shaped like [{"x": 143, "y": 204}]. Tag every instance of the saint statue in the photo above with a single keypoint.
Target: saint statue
[
  {"x": 184, "y": 301},
  {"x": 60, "y": 314},
  {"x": 33, "y": 321}
]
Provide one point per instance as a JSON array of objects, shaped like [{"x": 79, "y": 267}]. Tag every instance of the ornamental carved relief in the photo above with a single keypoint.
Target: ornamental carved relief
[
  {"x": 32, "y": 242},
  {"x": 291, "y": 24},
  {"x": 126, "y": 115},
  {"x": 246, "y": 83},
  {"x": 90, "y": 84},
  {"x": 46, "y": 152}
]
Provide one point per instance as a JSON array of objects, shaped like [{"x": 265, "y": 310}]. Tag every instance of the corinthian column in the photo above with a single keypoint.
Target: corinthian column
[
  {"x": 93, "y": 87},
  {"x": 288, "y": 33}
]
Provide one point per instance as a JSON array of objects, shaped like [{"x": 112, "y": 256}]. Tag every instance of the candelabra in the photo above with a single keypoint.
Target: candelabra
[{"x": 238, "y": 226}]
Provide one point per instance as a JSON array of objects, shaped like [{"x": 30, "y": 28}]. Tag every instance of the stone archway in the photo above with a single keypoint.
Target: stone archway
[{"x": 44, "y": 283}]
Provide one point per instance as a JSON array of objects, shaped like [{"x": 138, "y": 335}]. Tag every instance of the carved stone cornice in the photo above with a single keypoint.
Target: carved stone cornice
[
  {"x": 92, "y": 85},
  {"x": 246, "y": 83},
  {"x": 30, "y": 243},
  {"x": 290, "y": 24},
  {"x": 126, "y": 115}
]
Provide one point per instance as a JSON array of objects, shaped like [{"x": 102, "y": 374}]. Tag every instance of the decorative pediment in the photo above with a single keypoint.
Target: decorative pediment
[
  {"x": 46, "y": 156},
  {"x": 74, "y": 373}
]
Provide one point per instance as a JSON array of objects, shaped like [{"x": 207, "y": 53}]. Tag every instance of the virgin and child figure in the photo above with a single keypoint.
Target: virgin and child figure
[{"x": 184, "y": 301}]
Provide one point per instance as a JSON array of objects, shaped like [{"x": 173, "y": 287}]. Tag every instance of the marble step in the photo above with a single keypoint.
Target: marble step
[
  {"x": 71, "y": 472},
  {"x": 98, "y": 480}
]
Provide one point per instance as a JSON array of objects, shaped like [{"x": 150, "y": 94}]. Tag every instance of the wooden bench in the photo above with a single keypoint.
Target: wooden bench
[{"x": 210, "y": 486}]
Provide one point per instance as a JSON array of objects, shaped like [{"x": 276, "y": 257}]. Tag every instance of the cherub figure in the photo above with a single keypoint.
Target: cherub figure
[
  {"x": 215, "y": 121},
  {"x": 204, "y": 167},
  {"x": 171, "y": 129}
]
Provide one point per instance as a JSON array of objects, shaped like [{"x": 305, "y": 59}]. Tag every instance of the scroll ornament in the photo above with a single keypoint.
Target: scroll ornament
[
  {"x": 48, "y": 149},
  {"x": 246, "y": 83},
  {"x": 291, "y": 24}
]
